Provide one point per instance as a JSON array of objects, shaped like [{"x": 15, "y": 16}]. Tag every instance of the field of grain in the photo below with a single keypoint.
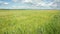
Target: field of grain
[{"x": 29, "y": 21}]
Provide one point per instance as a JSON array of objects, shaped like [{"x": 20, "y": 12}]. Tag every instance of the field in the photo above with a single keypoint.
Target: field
[{"x": 29, "y": 21}]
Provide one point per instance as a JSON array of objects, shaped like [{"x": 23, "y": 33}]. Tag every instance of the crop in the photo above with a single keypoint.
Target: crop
[{"x": 29, "y": 22}]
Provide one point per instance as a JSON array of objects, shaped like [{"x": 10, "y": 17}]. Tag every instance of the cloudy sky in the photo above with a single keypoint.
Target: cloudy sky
[{"x": 29, "y": 4}]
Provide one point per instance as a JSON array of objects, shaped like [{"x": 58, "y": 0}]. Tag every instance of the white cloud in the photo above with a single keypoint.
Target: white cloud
[
  {"x": 5, "y": 3},
  {"x": 37, "y": 1},
  {"x": 14, "y": 0},
  {"x": 57, "y": 0},
  {"x": 32, "y": 4},
  {"x": 31, "y": 1},
  {"x": 45, "y": 4},
  {"x": 18, "y": 7},
  {"x": 24, "y": 7},
  {"x": 27, "y": 1}
]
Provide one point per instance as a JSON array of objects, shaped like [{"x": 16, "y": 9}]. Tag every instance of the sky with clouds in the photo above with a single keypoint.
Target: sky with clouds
[{"x": 29, "y": 4}]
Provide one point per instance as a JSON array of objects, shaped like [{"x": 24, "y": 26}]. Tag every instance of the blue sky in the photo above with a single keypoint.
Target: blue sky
[{"x": 29, "y": 4}]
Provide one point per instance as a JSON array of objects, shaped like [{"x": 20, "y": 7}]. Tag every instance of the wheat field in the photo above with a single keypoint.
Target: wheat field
[{"x": 29, "y": 21}]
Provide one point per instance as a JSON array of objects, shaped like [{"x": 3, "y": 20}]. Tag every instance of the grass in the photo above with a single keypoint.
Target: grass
[{"x": 29, "y": 21}]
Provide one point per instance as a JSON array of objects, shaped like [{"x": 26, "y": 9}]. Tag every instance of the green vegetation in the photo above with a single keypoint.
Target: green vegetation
[{"x": 29, "y": 22}]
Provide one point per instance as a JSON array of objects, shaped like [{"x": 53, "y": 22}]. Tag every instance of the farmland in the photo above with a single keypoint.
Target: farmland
[{"x": 29, "y": 21}]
